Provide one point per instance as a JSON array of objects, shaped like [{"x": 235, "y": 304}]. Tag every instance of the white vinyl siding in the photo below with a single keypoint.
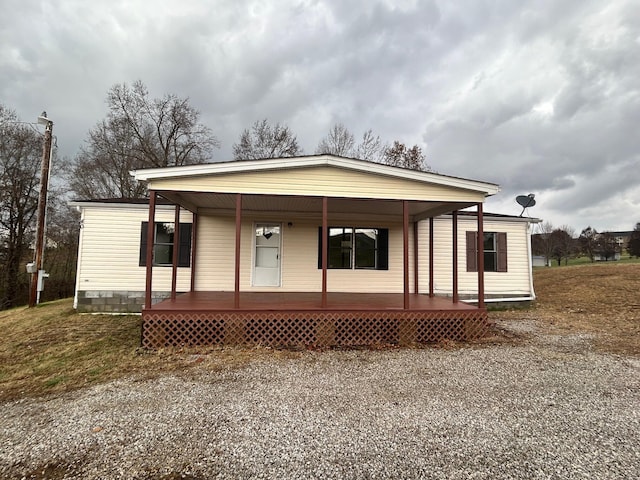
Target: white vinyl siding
[
  {"x": 215, "y": 262},
  {"x": 514, "y": 282},
  {"x": 110, "y": 250},
  {"x": 110, "y": 245},
  {"x": 215, "y": 266},
  {"x": 319, "y": 181}
]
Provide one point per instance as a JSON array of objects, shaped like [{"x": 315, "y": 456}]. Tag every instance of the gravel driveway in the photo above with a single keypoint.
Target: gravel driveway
[{"x": 551, "y": 408}]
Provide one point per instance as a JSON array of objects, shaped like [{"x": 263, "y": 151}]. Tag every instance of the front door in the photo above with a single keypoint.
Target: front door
[{"x": 266, "y": 265}]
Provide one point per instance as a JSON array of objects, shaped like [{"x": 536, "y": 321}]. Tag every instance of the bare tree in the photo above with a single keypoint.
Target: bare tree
[
  {"x": 63, "y": 228},
  {"x": 20, "y": 155},
  {"x": 339, "y": 141},
  {"x": 607, "y": 247},
  {"x": 564, "y": 245},
  {"x": 266, "y": 141},
  {"x": 543, "y": 243},
  {"x": 588, "y": 241},
  {"x": 370, "y": 148},
  {"x": 101, "y": 169},
  {"x": 399, "y": 155},
  {"x": 139, "y": 132}
]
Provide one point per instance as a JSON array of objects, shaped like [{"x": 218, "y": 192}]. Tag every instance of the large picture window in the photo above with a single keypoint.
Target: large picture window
[
  {"x": 355, "y": 248},
  {"x": 163, "y": 237},
  {"x": 495, "y": 251}
]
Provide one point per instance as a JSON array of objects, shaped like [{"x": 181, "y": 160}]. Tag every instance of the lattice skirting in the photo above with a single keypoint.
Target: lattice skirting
[{"x": 295, "y": 329}]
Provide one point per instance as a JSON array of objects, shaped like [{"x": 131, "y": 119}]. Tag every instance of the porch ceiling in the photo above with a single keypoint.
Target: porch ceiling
[{"x": 225, "y": 204}]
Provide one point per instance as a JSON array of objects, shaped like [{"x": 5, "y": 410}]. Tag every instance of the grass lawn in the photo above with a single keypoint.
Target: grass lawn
[
  {"x": 624, "y": 259},
  {"x": 51, "y": 348},
  {"x": 601, "y": 298}
]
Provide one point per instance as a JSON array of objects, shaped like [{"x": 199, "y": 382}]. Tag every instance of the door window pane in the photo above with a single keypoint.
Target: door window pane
[{"x": 267, "y": 235}]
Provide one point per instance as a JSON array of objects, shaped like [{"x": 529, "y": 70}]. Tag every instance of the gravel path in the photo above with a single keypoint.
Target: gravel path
[{"x": 550, "y": 409}]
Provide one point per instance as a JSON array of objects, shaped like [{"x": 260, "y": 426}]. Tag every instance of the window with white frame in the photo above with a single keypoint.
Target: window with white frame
[{"x": 355, "y": 248}]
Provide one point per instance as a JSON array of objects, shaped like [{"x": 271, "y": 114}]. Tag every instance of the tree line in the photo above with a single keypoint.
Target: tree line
[
  {"x": 139, "y": 131},
  {"x": 562, "y": 244}
]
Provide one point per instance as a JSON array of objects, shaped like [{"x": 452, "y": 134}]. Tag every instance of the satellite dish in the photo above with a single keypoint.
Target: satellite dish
[{"x": 526, "y": 201}]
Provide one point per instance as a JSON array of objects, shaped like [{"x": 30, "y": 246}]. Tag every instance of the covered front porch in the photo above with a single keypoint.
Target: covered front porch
[
  {"x": 285, "y": 319},
  {"x": 311, "y": 301}
]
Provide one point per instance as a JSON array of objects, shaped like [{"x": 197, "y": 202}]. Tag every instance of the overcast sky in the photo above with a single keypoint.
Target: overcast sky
[{"x": 540, "y": 96}]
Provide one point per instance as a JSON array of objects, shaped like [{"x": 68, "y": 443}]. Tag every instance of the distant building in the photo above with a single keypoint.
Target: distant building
[
  {"x": 622, "y": 239},
  {"x": 540, "y": 261}
]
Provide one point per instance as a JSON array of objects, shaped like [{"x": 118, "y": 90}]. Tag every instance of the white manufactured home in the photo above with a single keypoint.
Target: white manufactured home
[{"x": 310, "y": 246}]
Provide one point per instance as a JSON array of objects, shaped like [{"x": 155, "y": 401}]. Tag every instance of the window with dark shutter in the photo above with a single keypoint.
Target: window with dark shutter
[
  {"x": 495, "y": 251},
  {"x": 472, "y": 250},
  {"x": 184, "y": 252},
  {"x": 163, "y": 244},
  {"x": 143, "y": 244},
  {"x": 501, "y": 247}
]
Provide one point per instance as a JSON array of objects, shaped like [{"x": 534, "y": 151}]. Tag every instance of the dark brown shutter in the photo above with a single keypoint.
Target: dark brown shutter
[
  {"x": 501, "y": 247},
  {"x": 472, "y": 250},
  {"x": 320, "y": 247},
  {"x": 143, "y": 245},
  {"x": 383, "y": 249},
  {"x": 184, "y": 252}
]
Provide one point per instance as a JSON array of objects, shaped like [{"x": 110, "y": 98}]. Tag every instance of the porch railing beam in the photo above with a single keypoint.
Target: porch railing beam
[
  {"x": 431, "y": 294},
  {"x": 416, "y": 249},
  {"x": 236, "y": 297},
  {"x": 454, "y": 240},
  {"x": 176, "y": 248},
  {"x": 150, "y": 241},
  {"x": 480, "y": 258},
  {"x": 325, "y": 248},
  {"x": 405, "y": 239},
  {"x": 194, "y": 236}
]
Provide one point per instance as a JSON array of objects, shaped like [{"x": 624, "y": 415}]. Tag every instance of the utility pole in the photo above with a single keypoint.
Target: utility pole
[{"x": 37, "y": 274}]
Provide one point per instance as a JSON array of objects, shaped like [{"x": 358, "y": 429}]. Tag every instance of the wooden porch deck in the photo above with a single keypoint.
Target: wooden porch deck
[
  {"x": 298, "y": 319},
  {"x": 305, "y": 301}
]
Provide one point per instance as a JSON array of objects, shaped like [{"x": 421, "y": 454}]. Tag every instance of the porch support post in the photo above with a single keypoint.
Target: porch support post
[
  {"x": 325, "y": 248},
  {"x": 150, "y": 240},
  {"x": 236, "y": 296},
  {"x": 455, "y": 256},
  {"x": 405, "y": 238},
  {"x": 431, "y": 257},
  {"x": 176, "y": 248},
  {"x": 480, "y": 259},
  {"x": 416, "y": 287},
  {"x": 194, "y": 236}
]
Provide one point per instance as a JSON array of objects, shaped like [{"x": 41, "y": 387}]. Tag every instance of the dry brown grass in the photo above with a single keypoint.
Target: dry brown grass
[
  {"x": 52, "y": 349},
  {"x": 602, "y": 299}
]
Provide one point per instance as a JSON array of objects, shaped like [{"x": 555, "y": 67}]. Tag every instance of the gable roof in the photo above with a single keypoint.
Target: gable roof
[
  {"x": 310, "y": 161},
  {"x": 300, "y": 183}
]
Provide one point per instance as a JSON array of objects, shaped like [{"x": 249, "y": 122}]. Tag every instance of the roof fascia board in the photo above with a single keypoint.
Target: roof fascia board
[
  {"x": 142, "y": 206},
  {"x": 495, "y": 216},
  {"x": 436, "y": 178}
]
